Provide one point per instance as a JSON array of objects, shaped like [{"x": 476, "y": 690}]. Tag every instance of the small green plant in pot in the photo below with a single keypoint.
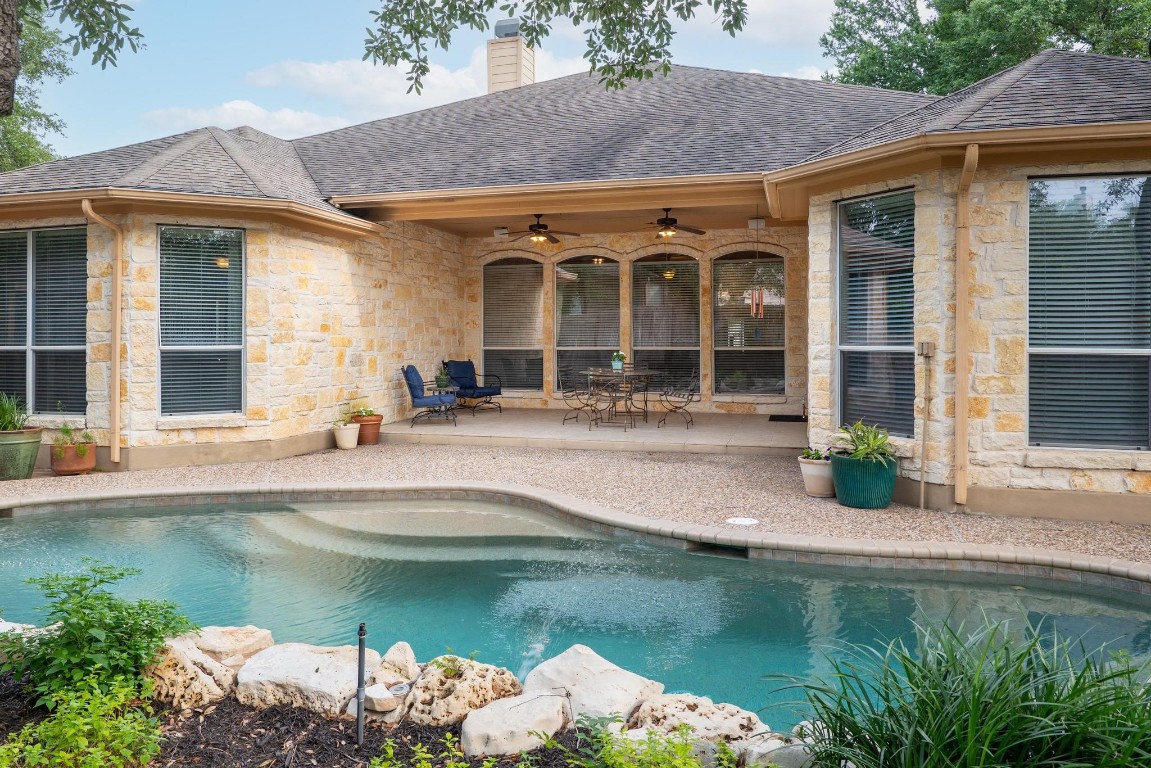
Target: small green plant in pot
[
  {"x": 73, "y": 451},
  {"x": 19, "y": 443},
  {"x": 863, "y": 466}
]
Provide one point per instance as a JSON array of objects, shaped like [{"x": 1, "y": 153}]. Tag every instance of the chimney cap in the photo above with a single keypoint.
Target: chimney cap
[{"x": 507, "y": 28}]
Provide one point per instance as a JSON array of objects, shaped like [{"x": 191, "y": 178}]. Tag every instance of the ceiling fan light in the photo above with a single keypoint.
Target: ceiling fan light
[
  {"x": 538, "y": 237},
  {"x": 669, "y": 274},
  {"x": 666, "y": 231}
]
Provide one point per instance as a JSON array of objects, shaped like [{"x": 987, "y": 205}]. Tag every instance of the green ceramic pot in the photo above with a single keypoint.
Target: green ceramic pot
[
  {"x": 863, "y": 484},
  {"x": 18, "y": 452}
]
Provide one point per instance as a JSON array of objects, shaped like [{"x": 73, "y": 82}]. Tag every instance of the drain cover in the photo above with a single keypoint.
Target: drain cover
[{"x": 741, "y": 521}]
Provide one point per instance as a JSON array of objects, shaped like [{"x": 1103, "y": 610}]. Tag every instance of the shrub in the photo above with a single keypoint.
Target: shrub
[
  {"x": 860, "y": 441},
  {"x": 598, "y": 747},
  {"x": 100, "y": 724},
  {"x": 983, "y": 699},
  {"x": 13, "y": 413},
  {"x": 94, "y": 635}
]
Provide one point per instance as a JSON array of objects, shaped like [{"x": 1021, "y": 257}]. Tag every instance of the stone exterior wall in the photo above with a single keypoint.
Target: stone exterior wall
[{"x": 788, "y": 242}]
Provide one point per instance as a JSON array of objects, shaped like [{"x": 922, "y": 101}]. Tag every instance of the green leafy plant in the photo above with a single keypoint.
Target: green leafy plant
[
  {"x": 598, "y": 747},
  {"x": 422, "y": 757},
  {"x": 388, "y": 757},
  {"x": 453, "y": 755},
  {"x": 93, "y": 634},
  {"x": 618, "y": 357},
  {"x": 69, "y": 435},
  {"x": 363, "y": 411},
  {"x": 451, "y": 665},
  {"x": 860, "y": 441},
  {"x": 814, "y": 454},
  {"x": 99, "y": 724},
  {"x": 981, "y": 699},
  {"x": 13, "y": 413}
]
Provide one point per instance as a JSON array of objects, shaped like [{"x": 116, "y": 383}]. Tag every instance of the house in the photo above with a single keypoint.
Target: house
[{"x": 221, "y": 295}]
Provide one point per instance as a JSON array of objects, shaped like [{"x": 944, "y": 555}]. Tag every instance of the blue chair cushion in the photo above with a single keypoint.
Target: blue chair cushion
[
  {"x": 462, "y": 373},
  {"x": 479, "y": 391},
  {"x": 415, "y": 383},
  {"x": 432, "y": 401}
]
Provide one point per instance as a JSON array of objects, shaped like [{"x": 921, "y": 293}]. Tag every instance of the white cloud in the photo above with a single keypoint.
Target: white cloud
[
  {"x": 778, "y": 21},
  {"x": 285, "y": 123},
  {"x": 805, "y": 73}
]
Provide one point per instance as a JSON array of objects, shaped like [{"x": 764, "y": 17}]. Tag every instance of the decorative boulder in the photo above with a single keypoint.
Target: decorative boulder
[
  {"x": 787, "y": 756},
  {"x": 398, "y": 666},
  {"x": 512, "y": 725},
  {"x": 440, "y": 699},
  {"x": 232, "y": 646},
  {"x": 187, "y": 677},
  {"x": 11, "y": 626},
  {"x": 758, "y": 752},
  {"x": 300, "y": 675},
  {"x": 593, "y": 685},
  {"x": 708, "y": 721}
]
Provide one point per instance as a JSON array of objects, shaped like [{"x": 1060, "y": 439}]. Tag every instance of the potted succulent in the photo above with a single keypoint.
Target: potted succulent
[
  {"x": 73, "y": 451},
  {"x": 19, "y": 443},
  {"x": 816, "y": 468},
  {"x": 347, "y": 433},
  {"x": 369, "y": 423},
  {"x": 442, "y": 378},
  {"x": 863, "y": 466},
  {"x": 617, "y": 360}
]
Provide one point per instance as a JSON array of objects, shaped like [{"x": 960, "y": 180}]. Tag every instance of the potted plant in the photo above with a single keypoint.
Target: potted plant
[
  {"x": 617, "y": 360},
  {"x": 816, "y": 468},
  {"x": 347, "y": 433},
  {"x": 442, "y": 378},
  {"x": 19, "y": 443},
  {"x": 369, "y": 423},
  {"x": 863, "y": 466},
  {"x": 73, "y": 452}
]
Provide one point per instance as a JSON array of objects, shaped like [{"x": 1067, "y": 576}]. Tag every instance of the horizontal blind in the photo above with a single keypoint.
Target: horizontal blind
[
  {"x": 60, "y": 381},
  {"x": 879, "y": 389},
  {"x": 60, "y": 306},
  {"x": 201, "y": 381},
  {"x": 675, "y": 369},
  {"x": 13, "y": 374},
  {"x": 1090, "y": 400},
  {"x": 665, "y": 303},
  {"x": 749, "y": 301},
  {"x": 749, "y": 371},
  {"x": 201, "y": 287},
  {"x": 587, "y": 303},
  {"x": 514, "y": 304},
  {"x": 516, "y": 368},
  {"x": 1090, "y": 263},
  {"x": 570, "y": 363},
  {"x": 14, "y": 290},
  {"x": 877, "y": 255}
]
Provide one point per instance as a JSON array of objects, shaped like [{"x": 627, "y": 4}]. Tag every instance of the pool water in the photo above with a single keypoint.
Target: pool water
[{"x": 520, "y": 586}]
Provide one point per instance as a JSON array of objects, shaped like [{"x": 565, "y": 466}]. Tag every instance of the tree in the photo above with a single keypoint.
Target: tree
[
  {"x": 43, "y": 56},
  {"x": 626, "y": 39},
  {"x": 948, "y": 44},
  {"x": 101, "y": 28}
]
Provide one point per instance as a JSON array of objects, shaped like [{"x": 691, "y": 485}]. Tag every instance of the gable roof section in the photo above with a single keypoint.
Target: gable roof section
[
  {"x": 692, "y": 122},
  {"x": 1052, "y": 88}
]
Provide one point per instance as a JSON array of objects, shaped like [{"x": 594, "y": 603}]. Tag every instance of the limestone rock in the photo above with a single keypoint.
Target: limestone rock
[
  {"x": 398, "y": 666},
  {"x": 757, "y": 753},
  {"x": 708, "y": 721},
  {"x": 437, "y": 699},
  {"x": 300, "y": 675},
  {"x": 787, "y": 756},
  {"x": 232, "y": 646},
  {"x": 379, "y": 699},
  {"x": 11, "y": 626},
  {"x": 187, "y": 677},
  {"x": 594, "y": 686},
  {"x": 509, "y": 726}
]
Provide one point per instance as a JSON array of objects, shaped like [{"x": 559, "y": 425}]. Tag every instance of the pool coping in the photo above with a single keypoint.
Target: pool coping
[{"x": 876, "y": 554}]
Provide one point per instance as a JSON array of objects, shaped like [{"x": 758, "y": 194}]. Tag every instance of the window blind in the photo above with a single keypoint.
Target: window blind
[
  {"x": 60, "y": 381},
  {"x": 60, "y": 306},
  {"x": 13, "y": 374},
  {"x": 877, "y": 311},
  {"x": 665, "y": 320},
  {"x": 749, "y": 301},
  {"x": 587, "y": 313},
  {"x": 513, "y": 324},
  {"x": 1089, "y": 284},
  {"x": 201, "y": 320},
  {"x": 14, "y": 290}
]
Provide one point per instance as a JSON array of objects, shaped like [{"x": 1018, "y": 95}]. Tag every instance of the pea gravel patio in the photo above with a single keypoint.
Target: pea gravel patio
[{"x": 682, "y": 487}]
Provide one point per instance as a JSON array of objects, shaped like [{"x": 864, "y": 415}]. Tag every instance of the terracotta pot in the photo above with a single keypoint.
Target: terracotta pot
[
  {"x": 67, "y": 459},
  {"x": 369, "y": 429},
  {"x": 18, "y": 451}
]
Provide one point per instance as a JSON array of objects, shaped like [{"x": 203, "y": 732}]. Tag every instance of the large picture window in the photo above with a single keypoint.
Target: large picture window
[
  {"x": 877, "y": 311},
  {"x": 43, "y": 318},
  {"x": 1090, "y": 312},
  {"x": 201, "y": 321},
  {"x": 749, "y": 324},
  {"x": 587, "y": 315},
  {"x": 665, "y": 319},
  {"x": 514, "y": 322}
]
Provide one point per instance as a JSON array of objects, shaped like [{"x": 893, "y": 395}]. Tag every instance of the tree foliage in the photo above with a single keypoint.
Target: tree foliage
[
  {"x": 948, "y": 44},
  {"x": 43, "y": 57},
  {"x": 626, "y": 39}
]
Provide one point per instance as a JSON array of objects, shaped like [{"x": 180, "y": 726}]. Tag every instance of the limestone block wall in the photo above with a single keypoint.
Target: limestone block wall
[{"x": 788, "y": 242}]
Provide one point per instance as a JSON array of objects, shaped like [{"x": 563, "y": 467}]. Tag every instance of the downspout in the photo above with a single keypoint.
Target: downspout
[
  {"x": 117, "y": 311},
  {"x": 963, "y": 320}
]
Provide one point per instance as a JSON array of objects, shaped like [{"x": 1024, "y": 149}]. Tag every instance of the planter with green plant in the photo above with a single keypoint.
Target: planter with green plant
[
  {"x": 863, "y": 466},
  {"x": 73, "y": 451},
  {"x": 816, "y": 468},
  {"x": 617, "y": 360},
  {"x": 443, "y": 380},
  {"x": 347, "y": 433},
  {"x": 369, "y": 422},
  {"x": 19, "y": 443}
]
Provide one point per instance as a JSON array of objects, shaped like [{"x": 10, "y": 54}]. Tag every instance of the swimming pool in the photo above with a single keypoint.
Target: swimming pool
[{"x": 518, "y": 586}]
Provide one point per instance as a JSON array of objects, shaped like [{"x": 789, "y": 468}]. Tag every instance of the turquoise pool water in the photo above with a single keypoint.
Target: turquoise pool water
[{"x": 519, "y": 586}]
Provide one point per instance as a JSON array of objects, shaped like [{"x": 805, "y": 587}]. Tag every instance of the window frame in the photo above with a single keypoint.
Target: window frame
[
  {"x": 556, "y": 347},
  {"x": 743, "y": 396},
  {"x": 543, "y": 342},
  {"x": 669, "y": 257}
]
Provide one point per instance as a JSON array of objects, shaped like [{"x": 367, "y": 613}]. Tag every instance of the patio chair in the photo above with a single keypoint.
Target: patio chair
[
  {"x": 462, "y": 374},
  {"x": 577, "y": 396},
  {"x": 431, "y": 405},
  {"x": 677, "y": 399}
]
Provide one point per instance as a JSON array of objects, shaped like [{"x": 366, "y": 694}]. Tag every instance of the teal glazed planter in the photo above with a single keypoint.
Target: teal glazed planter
[
  {"x": 18, "y": 451},
  {"x": 863, "y": 484}
]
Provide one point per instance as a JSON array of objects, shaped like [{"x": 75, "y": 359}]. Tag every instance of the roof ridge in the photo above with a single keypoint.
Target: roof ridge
[
  {"x": 251, "y": 169},
  {"x": 157, "y": 161},
  {"x": 992, "y": 91}
]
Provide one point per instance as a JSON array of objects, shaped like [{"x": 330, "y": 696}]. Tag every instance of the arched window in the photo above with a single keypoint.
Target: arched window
[
  {"x": 587, "y": 314},
  {"x": 749, "y": 324},
  {"x": 665, "y": 318},
  {"x": 514, "y": 322}
]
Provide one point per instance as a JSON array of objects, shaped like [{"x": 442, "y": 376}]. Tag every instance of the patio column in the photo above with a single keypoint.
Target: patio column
[
  {"x": 549, "y": 327},
  {"x": 625, "y": 264},
  {"x": 706, "y": 323}
]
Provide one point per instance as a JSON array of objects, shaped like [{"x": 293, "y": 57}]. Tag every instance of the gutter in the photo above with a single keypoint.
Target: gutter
[
  {"x": 963, "y": 320},
  {"x": 117, "y": 312}
]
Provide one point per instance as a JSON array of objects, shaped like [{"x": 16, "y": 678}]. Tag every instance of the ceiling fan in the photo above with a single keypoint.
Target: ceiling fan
[
  {"x": 539, "y": 232},
  {"x": 668, "y": 226}
]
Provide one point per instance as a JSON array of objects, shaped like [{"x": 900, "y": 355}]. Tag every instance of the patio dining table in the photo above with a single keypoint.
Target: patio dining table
[{"x": 625, "y": 384}]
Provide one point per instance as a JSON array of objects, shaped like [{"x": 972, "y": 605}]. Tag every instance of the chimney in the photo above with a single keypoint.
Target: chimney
[{"x": 510, "y": 62}]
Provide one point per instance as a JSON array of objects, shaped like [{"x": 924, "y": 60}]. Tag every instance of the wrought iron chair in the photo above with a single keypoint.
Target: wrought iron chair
[
  {"x": 611, "y": 400},
  {"x": 431, "y": 405},
  {"x": 462, "y": 374},
  {"x": 577, "y": 395},
  {"x": 677, "y": 399}
]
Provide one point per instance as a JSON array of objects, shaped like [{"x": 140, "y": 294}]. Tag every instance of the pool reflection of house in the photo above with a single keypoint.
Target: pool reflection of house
[{"x": 220, "y": 295}]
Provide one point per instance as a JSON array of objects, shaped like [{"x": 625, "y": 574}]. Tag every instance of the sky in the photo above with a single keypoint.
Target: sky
[{"x": 293, "y": 67}]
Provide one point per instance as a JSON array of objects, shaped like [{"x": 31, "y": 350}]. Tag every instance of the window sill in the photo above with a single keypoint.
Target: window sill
[
  {"x": 55, "y": 421},
  {"x": 1055, "y": 457},
  {"x": 199, "y": 421},
  {"x": 730, "y": 397}
]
